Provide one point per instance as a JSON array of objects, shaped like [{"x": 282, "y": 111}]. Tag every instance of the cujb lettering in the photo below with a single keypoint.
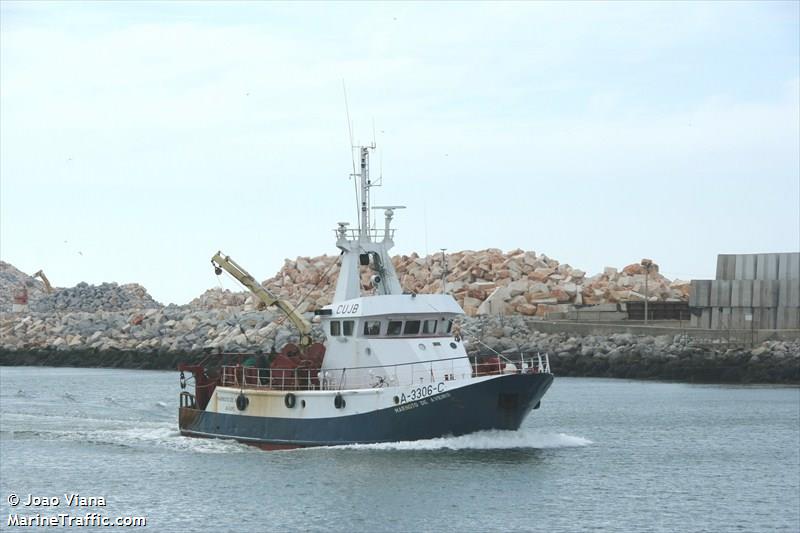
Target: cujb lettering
[{"x": 346, "y": 309}]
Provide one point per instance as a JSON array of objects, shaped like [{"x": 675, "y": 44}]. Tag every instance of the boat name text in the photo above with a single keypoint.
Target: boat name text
[
  {"x": 421, "y": 402},
  {"x": 423, "y": 391},
  {"x": 346, "y": 309}
]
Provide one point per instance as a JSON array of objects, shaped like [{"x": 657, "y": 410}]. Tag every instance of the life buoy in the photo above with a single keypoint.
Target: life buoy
[
  {"x": 290, "y": 400},
  {"x": 242, "y": 402},
  {"x": 338, "y": 401}
]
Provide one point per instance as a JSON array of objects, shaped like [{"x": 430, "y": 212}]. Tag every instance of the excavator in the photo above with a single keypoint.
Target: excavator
[
  {"x": 265, "y": 297},
  {"x": 47, "y": 287}
]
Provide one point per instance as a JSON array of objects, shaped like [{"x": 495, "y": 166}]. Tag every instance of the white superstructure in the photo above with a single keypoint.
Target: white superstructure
[{"x": 387, "y": 327}]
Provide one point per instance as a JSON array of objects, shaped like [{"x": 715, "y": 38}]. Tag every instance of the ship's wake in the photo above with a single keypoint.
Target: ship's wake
[
  {"x": 483, "y": 440},
  {"x": 164, "y": 437},
  {"x": 143, "y": 436}
]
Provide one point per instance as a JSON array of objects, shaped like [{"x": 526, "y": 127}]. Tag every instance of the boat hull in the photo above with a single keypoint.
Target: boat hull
[{"x": 501, "y": 403}]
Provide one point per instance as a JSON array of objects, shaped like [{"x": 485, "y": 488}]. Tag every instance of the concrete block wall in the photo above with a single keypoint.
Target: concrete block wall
[
  {"x": 788, "y": 318},
  {"x": 745, "y": 267},
  {"x": 703, "y": 320},
  {"x": 767, "y": 266},
  {"x": 758, "y": 266},
  {"x": 765, "y": 293},
  {"x": 742, "y": 293},
  {"x": 726, "y": 266},
  {"x": 764, "y": 318},
  {"x": 752, "y": 291},
  {"x": 721, "y": 293},
  {"x": 700, "y": 293},
  {"x": 789, "y": 293},
  {"x": 789, "y": 266}
]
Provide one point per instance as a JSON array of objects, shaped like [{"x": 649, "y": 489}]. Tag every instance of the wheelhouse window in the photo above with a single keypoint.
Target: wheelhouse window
[
  {"x": 335, "y": 328},
  {"x": 347, "y": 327},
  {"x": 372, "y": 328},
  {"x": 449, "y": 326},
  {"x": 429, "y": 327},
  {"x": 412, "y": 327},
  {"x": 395, "y": 327}
]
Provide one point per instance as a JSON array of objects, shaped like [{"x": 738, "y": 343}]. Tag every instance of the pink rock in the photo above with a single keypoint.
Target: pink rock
[{"x": 526, "y": 309}]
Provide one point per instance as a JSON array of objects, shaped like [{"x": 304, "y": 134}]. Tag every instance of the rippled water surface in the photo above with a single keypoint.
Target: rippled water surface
[{"x": 600, "y": 454}]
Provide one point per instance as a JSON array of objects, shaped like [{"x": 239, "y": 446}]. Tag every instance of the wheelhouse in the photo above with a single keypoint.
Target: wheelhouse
[{"x": 378, "y": 327}]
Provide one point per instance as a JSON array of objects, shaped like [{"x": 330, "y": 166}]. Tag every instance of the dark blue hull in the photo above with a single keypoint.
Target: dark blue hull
[{"x": 500, "y": 403}]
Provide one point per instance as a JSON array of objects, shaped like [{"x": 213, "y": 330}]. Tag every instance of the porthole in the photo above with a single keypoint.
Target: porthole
[
  {"x": 302, "y": 403},
  {"x": 368, "y": 351},
  {"x": 453, "y": 345},
  {"x": 421, "y": 346},
  {"x": 396, "y": 400}
]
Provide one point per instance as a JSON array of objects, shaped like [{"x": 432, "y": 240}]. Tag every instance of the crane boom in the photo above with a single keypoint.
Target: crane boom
[
  {"x": 221, "y": 261},
  {"x": 47, "y": 287}
]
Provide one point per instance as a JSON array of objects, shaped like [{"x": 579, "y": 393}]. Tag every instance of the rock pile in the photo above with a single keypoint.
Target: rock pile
[
  {"x": 218, "y": 298},
  {"x": 158, "y": 337},
  {"x": 11, "y": 280},
  {"x": 638, "y": 356},
  {"x": 308, "y": 280},
  {"x": 175, "y": 329},
  {"x": 488, "y": 282},
  {"x": 90, "y": 298}
]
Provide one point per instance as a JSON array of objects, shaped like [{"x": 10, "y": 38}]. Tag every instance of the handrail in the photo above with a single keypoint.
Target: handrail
[
  {"x": 356, "y": 233},
  {"x": 304, "y": 378}
]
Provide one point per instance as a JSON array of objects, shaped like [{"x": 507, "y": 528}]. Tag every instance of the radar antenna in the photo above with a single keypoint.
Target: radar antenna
[{"x": 388, "y": 213}]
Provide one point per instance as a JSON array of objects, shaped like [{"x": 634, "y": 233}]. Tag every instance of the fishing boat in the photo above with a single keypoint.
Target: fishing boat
[{"x": 393, "y": 365}]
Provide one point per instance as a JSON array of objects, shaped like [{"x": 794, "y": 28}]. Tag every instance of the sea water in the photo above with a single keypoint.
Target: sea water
[{"x": 599, "y": 455}]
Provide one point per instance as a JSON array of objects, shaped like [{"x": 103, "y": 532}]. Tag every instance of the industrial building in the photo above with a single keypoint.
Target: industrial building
[{"x": 751, "y": 291}]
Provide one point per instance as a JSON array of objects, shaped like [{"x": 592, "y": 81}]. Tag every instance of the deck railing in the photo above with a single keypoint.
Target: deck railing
[
  {"x": 372, "y": 377},
  {"x": 375, "y": 234}
]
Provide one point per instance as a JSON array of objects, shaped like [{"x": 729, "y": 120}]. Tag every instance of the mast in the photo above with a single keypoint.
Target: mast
[
  {"x": 359, "y": 249},
  {"x": 366, "y": 184}
]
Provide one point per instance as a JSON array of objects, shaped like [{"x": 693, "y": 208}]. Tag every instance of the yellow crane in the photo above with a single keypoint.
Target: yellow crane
[
  {"x": 47, "y": 287},
  {"x": 266, "y": 298}
]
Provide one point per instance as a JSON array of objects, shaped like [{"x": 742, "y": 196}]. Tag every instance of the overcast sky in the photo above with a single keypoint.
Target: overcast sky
[{"x": 137, "y": 139}]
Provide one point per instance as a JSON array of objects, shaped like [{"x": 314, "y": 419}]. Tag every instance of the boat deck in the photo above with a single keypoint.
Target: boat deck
[{"x": 372, "y": 377}]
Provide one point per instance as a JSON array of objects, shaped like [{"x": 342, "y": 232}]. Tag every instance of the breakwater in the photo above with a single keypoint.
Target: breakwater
[
  {"x": 160, "y": 338},
  {"x": 484, "y": 282}
]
